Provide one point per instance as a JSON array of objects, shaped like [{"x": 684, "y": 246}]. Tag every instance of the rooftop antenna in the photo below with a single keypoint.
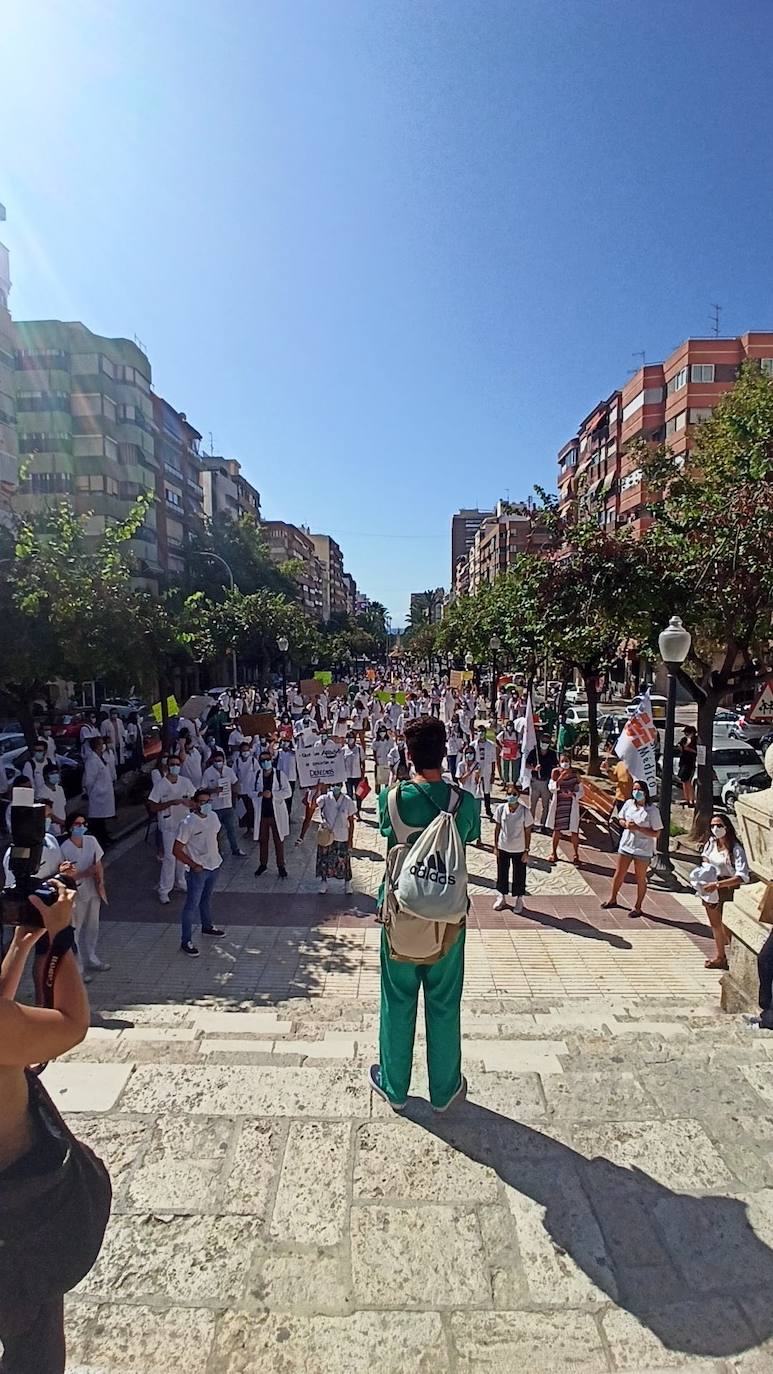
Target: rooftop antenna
[
  {"x": 642, "y": 363},
  {"x": 716, "y": 311},
  {"x": 140, "y": 344},
  {"x": 211, "y": 445}
]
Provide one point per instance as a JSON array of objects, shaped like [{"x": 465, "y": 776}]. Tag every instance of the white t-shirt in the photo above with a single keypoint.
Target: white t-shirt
[
  {"x": 171, "y": 790},
  {"x": 55, "y": 795},
  {"x": 226, "y": 779},
  {"x": 353, "y": 761},
  {"x": 733, "y": 865},
  {"x": 50, "y": 860},
  {"x": 336, "y": 813},
  {"x": 512, "y": 835},
  {"x": 199, "y": 836},
  {"x": 82, "y": 857},
  {"x": 191, "y": 768},
  {"x": 382, "y": 748},
  {"x": 632, "y": 842}
]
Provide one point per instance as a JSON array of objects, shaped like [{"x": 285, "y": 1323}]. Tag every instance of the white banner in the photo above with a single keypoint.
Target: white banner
[
  {"x": 636, "y": 745},
  {"x": 528, "y": 744},
  {"x": 319, "y": 763}
]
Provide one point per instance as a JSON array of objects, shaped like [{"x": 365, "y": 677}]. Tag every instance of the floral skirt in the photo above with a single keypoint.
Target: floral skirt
[{"x": 333, "y": 861}]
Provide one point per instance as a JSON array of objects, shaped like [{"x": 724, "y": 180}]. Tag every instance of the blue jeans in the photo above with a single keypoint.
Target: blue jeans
[
  {"x": 227, "y": 817},
  {"x": 200, "y": 887}
]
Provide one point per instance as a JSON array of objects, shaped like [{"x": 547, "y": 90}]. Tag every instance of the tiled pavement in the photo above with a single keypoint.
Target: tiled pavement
[{"x": 602, "y": 1202}]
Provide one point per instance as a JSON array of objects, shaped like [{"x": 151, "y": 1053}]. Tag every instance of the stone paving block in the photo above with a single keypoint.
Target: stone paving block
[
  {"x": 232, "y": 1090},
  {"x": 86, "y": 1087},
  {"x": 79, "y": 1320},
  {"x": 761, "y": 1079},
  {"x": 396, "y": 1162},
  {"x": 721, "y": 1244},
  {"x": 573, "y": 1020},
  {"x": 565, "y": 1260},
  {"x": 532, "y": 1342},
  {"x": 365, "y": 1342},
  {"x": 516, "y": 1096},
  {"x": 676, "y": 1154},
  {"x": 418, "y": 1257},
  {"x": 206, "y": 1259},
  {"x": 342, "y": 1048},
  {"x": 139, "y": 1340},
  {"x": 517, "y": 1056},
  {"x": 314, "y": 1282},
  {"x": 262, "y": 1047},
  {"x": 160, "y": 1033},
  {"x": 255, "y": 1163},
  {"x": 580, "y": 1096},
  {"x": 182, "y": 1165},
  {"x": 117, "y": 1140},
  {"x": 241, "y": 1023},
  {"x": 719, "y": 1094},
  {"x": 696, "y": 1334},
  {"x": 670, "y": 1030},
  {"x": 312, "y": 1198}
]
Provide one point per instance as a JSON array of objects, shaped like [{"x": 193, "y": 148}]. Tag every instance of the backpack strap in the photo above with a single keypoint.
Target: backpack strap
[{"x": 402, "y": 831}]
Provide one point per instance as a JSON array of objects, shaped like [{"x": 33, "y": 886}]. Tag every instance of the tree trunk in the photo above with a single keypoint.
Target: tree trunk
[
  {"x": 592, "y": 693},
  {"x": 26, "y": 718},
  {"x": 704, "y": 791}
]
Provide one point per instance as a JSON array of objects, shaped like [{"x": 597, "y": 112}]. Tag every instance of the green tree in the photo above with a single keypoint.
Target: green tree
[
  {"x": 711, "y": 540},
  {"x": 243, "y": 547}
]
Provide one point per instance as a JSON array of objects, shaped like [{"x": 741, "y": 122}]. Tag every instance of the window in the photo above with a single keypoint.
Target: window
[
  {"x": 86, "y": 403},
  {"x": 47, "y": 483},
  {"x": 702, "y": 372},
  {"x": 45, "y": 442},
  {"x": 90, "y": 482},
  {"x": 698, "y": 414},
  {"x": 633, "y": 406},
  {"x": 767, "y": 366},
  {"x": 653, "y": 394},
  {"x": 173, "y": 497},
  {"x": 108, "y": 408},
  {"x": 677, "y": 382},
  {"x": 42, "y": 401},
  {"x": 632, "y": 480},
  {"x": 111, "y": 449},
  {"x": 678, "y": 422},
  {"x": 88, "y": 446},
  {"x": 108, "y": 367}
]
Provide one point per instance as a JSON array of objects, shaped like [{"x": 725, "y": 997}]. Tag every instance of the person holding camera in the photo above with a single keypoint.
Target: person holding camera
[{"x": 55, "y": 1194}]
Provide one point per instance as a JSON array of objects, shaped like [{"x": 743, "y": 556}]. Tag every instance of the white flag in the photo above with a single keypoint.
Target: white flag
[
  {"x": 528, "y": 743},
  {"x": 636, "y": 745}
]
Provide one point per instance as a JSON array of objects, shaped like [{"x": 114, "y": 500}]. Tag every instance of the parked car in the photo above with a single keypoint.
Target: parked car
[
  {"x": 725, "y": 722},
  {"x": 123, "y": 706},
  {"x": 67, "y": 726},
  {"x": 735, "y": 788},
  {"x": 575, "y": 695},
  {"x": 658, "y": 703},
  {"x": 753, "y": 732},
  {"x": 736, "y": 761},
  {"x": 13, "y": 747}
]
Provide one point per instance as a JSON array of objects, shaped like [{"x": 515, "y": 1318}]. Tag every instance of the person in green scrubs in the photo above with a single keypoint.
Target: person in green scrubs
[
  {"x": 567, "y": 736},
  {"x": 418, "y": 802}
]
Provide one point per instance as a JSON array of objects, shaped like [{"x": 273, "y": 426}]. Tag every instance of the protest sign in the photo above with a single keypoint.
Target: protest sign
[
  {"x": 324, "y": 677},
  {"x": 337, "y": 689},
  {"x": 636, "y": 745},
  {"x": 387, "y": 696},
  {"x": 311, "y": 687},
  {"x": 195, "y": 707},
  {"x": 458, "y": 679},
  {"x": 319, "y": 763},
  {"x": 172, "y": 709},
  {"x": 260, "y": 723}
]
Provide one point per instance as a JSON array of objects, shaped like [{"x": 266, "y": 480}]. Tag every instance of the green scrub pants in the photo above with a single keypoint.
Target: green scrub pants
[{"x": 442, "y": 983}]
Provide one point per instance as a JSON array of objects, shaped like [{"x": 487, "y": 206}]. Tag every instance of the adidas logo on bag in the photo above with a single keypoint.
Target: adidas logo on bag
[{"x": 433, "y": 869}]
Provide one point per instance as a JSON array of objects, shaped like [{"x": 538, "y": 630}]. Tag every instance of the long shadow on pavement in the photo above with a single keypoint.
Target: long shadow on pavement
[{"x": 697, "y": 1255}]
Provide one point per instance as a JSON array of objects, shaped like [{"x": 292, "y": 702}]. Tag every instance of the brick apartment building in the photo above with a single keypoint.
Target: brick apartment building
[
  {"x": 510, "y": 530},
  {"x": 286, "y": 541},
  {"x": 599, "y": 474}
]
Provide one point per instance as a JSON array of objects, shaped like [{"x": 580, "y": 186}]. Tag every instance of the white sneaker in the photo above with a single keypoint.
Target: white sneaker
[
  {"x": 163, "y": 897},
  {"x": 348, "y": 889},
  {"x": 518, "y": 905},
  {"x": 500, "y": 903},
  {"x": 322, "y": 889}
]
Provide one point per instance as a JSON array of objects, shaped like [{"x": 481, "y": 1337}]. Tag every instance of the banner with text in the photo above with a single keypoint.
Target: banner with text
[
  {"x": 319, "y": 763},
  {"x": 636, "y": 745}
]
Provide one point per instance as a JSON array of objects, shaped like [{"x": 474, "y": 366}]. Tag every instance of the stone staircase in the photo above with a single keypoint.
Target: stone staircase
[{"x": 603, "y": 1201}]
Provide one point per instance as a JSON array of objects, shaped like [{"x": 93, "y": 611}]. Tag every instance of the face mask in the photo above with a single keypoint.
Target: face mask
[
  {"x": 266, "y": 765},
  {"x": 470, "y": 758},
  {"x": 78, "y": 830},
  {"x": 244, "y": 756},
  {"x": 263, "y": 741},
  {"x": 350, "y": 741},
  {"x": 39, "y": 755},
  {"x": 205, "y": 808},
  {"x": 324, "y": 738},
  {"x": 512, "y": 802},
  {"x": 719, "y": 831},
  {"x": 337, "y": 790},
  {"x": 306, "y": 722},
  {"x": 174, "y": 770},
  {"x": 219, "y": 765},
  {"x": 638, "y": 795},
  {"x": 53, "y": 778},
  {"x": 210, "y": 741},
  {"x": 49, "y": 823}
]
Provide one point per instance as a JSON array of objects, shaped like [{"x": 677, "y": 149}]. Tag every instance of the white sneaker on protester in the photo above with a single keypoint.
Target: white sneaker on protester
[
  {"x": 500, "y": 903},
  {"x": 518, "y": 905},
  {"x": 322, "y": 889},
  {"x": 348, "y": 889}
]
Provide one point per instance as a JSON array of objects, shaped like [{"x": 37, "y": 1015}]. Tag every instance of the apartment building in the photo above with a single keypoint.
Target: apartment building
[
  {"x": 427, "y": 606},
  {"x": 286, "y": 542},
  {"x": 179, "y": 490},
  {"x": 464, "y": 526},
  {"x": 599, "y": 471},
  {"x": 226, "y": 490},
  {"x": 9, "y": 456},
  {"x": 510, "y": 531},
  {"x": 350, "y": 593},
  {"x": 332, "y": 560},
  {"x": 85, "y": 429}
]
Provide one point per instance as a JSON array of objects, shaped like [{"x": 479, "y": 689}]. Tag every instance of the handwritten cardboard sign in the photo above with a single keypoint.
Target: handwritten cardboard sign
[
  {"x": 260, "y": 723},
  {"x": 319, "y": 763}
]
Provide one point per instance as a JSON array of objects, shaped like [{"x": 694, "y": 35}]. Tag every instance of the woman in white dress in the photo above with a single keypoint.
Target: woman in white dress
[
  {"x": 724, "y": 851},
  {"x": 85, "y": 853},
  {"x": 98, "y": 787}
]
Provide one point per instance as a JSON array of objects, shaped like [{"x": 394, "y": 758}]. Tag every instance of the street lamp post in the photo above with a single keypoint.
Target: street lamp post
[
  {"x": 215, "y": 558},
  {"x": 674, "y": 643},
  {"x": 284, "y": 644},
  {"x": 469, "y": 661},
  {"x": 495, "y": 644}
]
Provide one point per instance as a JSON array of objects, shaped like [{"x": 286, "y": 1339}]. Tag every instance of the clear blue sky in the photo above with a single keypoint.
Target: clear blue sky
[{"x": 390, "y": 251}]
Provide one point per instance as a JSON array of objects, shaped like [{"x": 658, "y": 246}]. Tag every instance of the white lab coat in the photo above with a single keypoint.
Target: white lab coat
[
  {"x": 281, "y": 791},
  {"x": 98, "y": 786},
  {"x": 485, "y": 754}
]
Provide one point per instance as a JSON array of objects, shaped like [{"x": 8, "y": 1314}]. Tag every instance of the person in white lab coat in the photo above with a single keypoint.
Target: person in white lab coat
[
  {"x": 52, "y": 791},
  {"x": 381, "y": 750},
  {"x": 34, "y": 768},
  {"x": 287, "y": 763},
  {"x": 89, "y": 731},
  {"x": 114, "y": 731},
  {"x": 170, "y": 799},
  {"x": 98, "y": 788},
  {"x": 305, "y": 730},
  {"x": 190, "y": 760},
  {"x": 245, "y": 766},
  {"x": 272, "y": 790},
  {"x": 486, "y": 757},
  {"x": 85, "y": 854},
  {"x": 222, "y": 784},
  {"x": 354, "y": 768},
  {"x": 335, "y": 812}
]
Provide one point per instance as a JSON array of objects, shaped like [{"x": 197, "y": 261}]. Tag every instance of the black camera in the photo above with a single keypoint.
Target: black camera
[{"x": 28, "y": 828}]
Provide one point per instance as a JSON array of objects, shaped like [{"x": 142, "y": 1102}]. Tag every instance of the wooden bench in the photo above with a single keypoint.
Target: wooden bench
[{"x": 598, "y": 805}]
